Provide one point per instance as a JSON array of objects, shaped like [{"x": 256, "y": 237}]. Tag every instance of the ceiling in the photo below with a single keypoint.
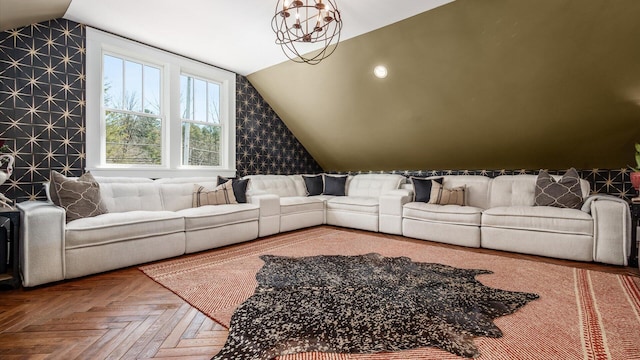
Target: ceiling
[
  {"x": 472, "y": 84},
  {"x": 231, "y": 34},
  {"x": 17, "y": 13}
]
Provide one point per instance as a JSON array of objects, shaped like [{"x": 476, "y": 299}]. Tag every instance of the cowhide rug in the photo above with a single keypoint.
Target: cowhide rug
[{"x": 365, "y": 304}]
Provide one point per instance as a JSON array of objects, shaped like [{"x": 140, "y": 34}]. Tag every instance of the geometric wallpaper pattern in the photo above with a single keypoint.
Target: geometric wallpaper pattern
[
  {"x": 614, "y": 182},
  {"x": 42, "y": 119},
  {"x": 42, "y": 112},
  {"x": 42, "y": 103},
  {"x": 264, "y": 144}
]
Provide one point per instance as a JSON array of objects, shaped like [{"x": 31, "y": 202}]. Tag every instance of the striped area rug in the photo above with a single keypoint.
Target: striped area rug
[{"x": 581, "y": 314}]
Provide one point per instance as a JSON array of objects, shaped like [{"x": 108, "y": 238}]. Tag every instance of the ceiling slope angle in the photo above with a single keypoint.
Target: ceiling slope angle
[
  {"x": 233, "y": 35},
  {"x": 18, "y": 13}
]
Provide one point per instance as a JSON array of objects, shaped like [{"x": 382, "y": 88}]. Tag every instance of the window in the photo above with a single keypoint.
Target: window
[
  {"x": 132, "y": 111},
  {"x": 155, "y": 114},
  {"x": 200, "y": 114}
]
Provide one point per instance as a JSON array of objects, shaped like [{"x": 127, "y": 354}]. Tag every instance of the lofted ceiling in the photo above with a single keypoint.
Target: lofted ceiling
[
  {"x": 471, "y": 84},
  {"x": 234, "y": 35},
  {"x": 17, "y": 13}
]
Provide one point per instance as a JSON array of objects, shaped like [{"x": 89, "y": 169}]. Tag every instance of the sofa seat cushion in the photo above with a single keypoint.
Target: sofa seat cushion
[
  {"x": 539, "y": 218},
  {"x": 451, "y": 214},
  {"x": 211, "y": 216},
  {"x": 361, "y": 204},
  {"x": 115, "y": 227},
  {"x": 298, "y": 204}
]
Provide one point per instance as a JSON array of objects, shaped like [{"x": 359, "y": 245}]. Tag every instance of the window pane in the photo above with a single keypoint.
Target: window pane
[
  {"x": 186, "y": 97},
  {"x": 199, "y": 100},
  {"x": 151, "y": 103},
  {"x": 200, "y": 144},
  {"x": 112, "y": 85},
  {"x": 132, "y": 86},
  {"x": 213, "y": 102},
  {"x": 133, "y": 139}
]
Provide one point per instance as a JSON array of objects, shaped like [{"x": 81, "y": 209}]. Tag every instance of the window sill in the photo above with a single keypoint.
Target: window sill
[{"x": 154, "y": 173}]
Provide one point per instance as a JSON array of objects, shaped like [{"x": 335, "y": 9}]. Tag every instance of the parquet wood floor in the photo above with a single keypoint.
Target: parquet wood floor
[{"x": 125, "y": 315}]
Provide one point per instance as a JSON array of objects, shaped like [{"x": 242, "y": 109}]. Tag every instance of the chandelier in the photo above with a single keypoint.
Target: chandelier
[{"x": 300, "y": 24}]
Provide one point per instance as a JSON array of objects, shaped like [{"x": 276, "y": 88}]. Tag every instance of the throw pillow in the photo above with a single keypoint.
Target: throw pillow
[
  {"x": 239, "y": 188},
  {"x": 314, "y": 184},
  {"x": 422, "y": 188},
  {"x": 222, "y": 194},
  {"x": 565, "y": 193},
  {"x": 335, "y": 185},
  {"x": 442, "y": 196},
  {"x": 80, "y": 198}
]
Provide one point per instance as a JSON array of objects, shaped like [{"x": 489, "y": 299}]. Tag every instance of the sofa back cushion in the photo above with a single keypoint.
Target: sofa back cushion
[
  {"x": 476, "y": 188},
  {"x": 179, "y": 196},
  {"x": 373, "y": 185},
  {"x": 177, "y": 193},
  {"x": 281, "y": 185},
  {"x": 120, "y": 197},
  {"x": 519, "y": 190}
]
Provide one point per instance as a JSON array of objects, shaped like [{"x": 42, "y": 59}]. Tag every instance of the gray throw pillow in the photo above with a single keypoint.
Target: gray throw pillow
[
  {"x": 80, "y": 198},
  {"x": 565, "y": 193},
  {"x": 314, "y": 184},
  {"x": 335, "y": 185}
]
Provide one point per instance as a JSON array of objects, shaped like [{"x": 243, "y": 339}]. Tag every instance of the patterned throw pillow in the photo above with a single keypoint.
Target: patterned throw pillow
[
  {"x": 422, "y": 188},
  {"x": 565, "y": 193},
  {"x": 442, "y": 196},
  {"x": 314, "y": 184},
  {"x": 80, "y": 198},
  {"x": 239, "y": 187},
  {"x": 222, "y": 194}
]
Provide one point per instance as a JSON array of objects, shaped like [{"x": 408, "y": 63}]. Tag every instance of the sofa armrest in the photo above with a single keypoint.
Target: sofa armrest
[
  {"x": 269, "y": 222},
  {"x": 42, "y": 243},
  {"x": 390, "y": 208},
  {"x": 392, "y": 201},
  {"x": 611, "y": 228}
]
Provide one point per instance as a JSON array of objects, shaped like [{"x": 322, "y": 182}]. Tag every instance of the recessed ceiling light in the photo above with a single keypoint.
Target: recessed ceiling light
[{"x": 380, "y": 71}]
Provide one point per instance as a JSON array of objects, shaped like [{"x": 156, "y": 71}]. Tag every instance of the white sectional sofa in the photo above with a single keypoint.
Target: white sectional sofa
[
  {"x": 368, "y": 198},
  {"x": 500, "y": 214},
  {"x": 149, "y": 220}
]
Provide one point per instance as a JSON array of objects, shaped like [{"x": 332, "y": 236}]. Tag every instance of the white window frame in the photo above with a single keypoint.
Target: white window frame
[{"x": 172, "y": 66}]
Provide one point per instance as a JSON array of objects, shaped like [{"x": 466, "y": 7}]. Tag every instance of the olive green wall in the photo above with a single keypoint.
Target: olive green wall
[{"x": 473, "y": 84}]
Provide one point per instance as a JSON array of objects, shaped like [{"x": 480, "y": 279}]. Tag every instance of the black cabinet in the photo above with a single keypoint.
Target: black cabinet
[
  {"x": 9, "y": 252},
  {"x": 635, "y": 219}
]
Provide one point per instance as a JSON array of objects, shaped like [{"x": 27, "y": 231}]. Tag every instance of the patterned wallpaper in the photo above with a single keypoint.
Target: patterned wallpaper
[
  {"x": 42, "y": 114},
  {"x": 264, "y": 144},
  {"x": 614, "y": 182},
  {"x": 42, "y": 103}
]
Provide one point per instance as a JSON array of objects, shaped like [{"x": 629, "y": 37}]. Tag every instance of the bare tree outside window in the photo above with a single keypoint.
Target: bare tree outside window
[
  {"x": 131, "y": 94},
  {"x": 201, "y": 128}
]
